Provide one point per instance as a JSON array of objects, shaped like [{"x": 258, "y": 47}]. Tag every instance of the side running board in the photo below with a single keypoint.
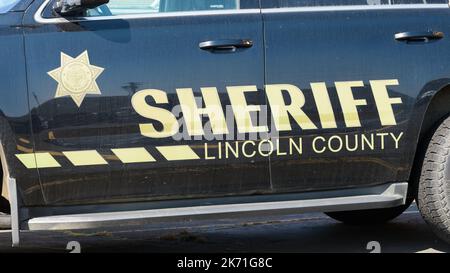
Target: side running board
[{"x": 388, "y": 195}]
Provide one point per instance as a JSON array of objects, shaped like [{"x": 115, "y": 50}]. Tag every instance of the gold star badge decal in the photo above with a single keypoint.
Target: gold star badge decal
[{"x": 76, "y": 77}]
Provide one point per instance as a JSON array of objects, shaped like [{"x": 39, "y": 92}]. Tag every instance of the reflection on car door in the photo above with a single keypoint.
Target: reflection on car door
[
  {"x": 91, "y": 133},
  {"x": 358, "y": 85}
]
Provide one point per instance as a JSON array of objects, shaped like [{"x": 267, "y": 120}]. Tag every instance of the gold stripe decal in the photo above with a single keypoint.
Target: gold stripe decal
[
  {"x": 133, "y": 155},
  {"x": 38, "y": 160},
  {"x": 85, "y": 158},
  {"x": 181, "y": 152},
  {"x": 94, "y": 158}
]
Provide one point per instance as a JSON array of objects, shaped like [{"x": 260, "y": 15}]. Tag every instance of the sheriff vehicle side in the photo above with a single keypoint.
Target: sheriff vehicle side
[{"x": 134, "y": 111}]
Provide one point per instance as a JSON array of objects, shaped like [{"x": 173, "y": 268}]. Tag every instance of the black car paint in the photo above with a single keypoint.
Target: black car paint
[
  {"x": 21, "y": 6},
  {"x": 139, "y": 54},
  {"x": 14, "y": 111},
  {"x": 299, "y": 46},
  {"x": 356, "y": 45}
]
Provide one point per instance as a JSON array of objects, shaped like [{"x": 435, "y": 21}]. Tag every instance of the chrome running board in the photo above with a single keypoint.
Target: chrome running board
[{"x": 388, "y": 195}]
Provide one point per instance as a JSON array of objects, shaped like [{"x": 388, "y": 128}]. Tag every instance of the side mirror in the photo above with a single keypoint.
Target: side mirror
[{"x": 76, "y": 7}]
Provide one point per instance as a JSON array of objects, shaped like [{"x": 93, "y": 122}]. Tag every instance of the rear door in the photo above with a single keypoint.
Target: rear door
[
  {"x": 107, "y": 91},
  {"x": 348, "y": 74}
]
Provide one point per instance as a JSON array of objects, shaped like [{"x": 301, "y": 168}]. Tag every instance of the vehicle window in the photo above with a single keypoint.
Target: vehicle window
[
  {"x": 123, "y": 7},
  {"x": 313, "y": 3},
  {"x": 7, "y": 5},
  {"x": 398, "y": 2}
]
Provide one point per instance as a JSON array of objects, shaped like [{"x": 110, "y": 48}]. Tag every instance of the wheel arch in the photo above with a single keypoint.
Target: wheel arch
[{"x": 437, "y": 109}]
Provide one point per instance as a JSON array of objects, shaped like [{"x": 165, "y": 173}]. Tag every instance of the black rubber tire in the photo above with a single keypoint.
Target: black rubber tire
[
  {"x": 433, "y": 197},
  {"x": 369, "y": 217}
]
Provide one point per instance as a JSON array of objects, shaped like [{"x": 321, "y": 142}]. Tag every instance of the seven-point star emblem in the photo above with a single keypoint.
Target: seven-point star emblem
[{"x": 76, "y": 77}]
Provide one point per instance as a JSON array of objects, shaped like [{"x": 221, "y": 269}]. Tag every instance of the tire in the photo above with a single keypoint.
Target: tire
[
  {"x": 433, "y": 197},
  {"x": 369, "y": 217}
]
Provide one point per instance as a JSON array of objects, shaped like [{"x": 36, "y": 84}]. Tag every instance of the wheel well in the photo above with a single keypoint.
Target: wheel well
[{"x": 438, "y": 109}]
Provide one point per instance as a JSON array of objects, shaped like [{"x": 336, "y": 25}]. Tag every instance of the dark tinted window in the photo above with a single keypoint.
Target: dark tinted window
[
  {"x": 313, "y": 3},
  {"x": 398, "y": 2},
  {"x": 123, "y": 7},
  {"x": 192, "y": 5}
]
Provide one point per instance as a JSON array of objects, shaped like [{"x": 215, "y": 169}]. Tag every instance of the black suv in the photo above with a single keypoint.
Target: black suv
[{"x": 131, "y": 111}]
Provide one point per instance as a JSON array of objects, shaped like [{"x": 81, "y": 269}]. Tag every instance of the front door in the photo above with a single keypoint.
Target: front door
[{"x": 129, "y": 101}]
